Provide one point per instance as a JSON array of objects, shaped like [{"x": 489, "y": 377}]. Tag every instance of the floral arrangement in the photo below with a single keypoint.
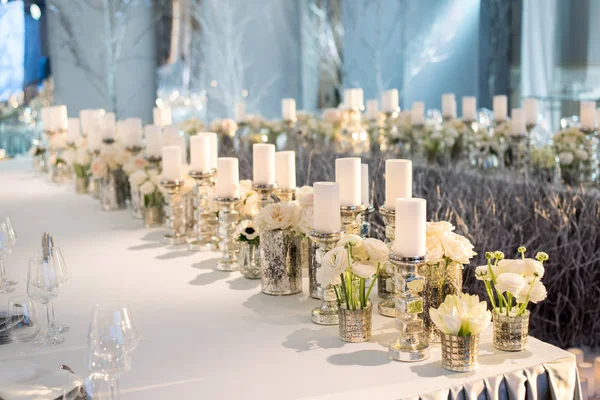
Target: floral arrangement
[
  {"x": 435, "y": 140},
  {"x": 512, "y": 284},
  {"x": 192, "y": 126},
  {"x": 36, "y": 149},
  {"x": 135, "y": 164},
  {"x": 462, "y": 315},
  {"x": 225, "y": 126},
  {"x": 278, "y": 216},
  {"x": 349, "y": 265},
  {"x": 148, "y": 180},
  {"x": 111, "y": 158},
  {"x": 443, "y": 245},
  {"x": 247, "y": 231},
  {"x": 304, "y": 197},
  {"x": 79, "y": 159},
  {"x": 543, "y": 157},
  {"x": 575, "y": 151},
  {"x": 250, "y": 200}
]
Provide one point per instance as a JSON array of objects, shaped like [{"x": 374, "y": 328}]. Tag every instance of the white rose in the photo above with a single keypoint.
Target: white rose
[
  {"x": 278, "y": 216},
  {"x": 377, "y": 251},
  {"x": 138, "y": 177},
  {"x": 363, "y": 270},
  {"x": 442, "y": 242},
  {"x": 449, "y": 141},
  {"x": 566, "y": 158},
  {"x": 333, "y": 264},
  {"x": 147, "y": 188},
  {"x": 305, "y": 196},
  {"x": 509, "y": 282}
]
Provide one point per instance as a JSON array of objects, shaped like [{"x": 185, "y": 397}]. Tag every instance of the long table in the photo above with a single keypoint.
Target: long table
[{"x": 212, "y": 335}]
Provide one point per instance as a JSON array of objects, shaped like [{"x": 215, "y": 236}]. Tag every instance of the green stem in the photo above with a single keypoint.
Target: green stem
[
  {"x": 373, "y": 283},
  {"x": 524, "y": 305},
  {"x": 344, "y": 289},
  {"x": 488, "y": 288},
  {"x": 363, "y": 303},
  {"x": 337, "y": 296}
]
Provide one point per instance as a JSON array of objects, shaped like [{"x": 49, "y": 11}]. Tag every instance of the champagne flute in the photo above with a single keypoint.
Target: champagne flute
[
  {"x": 43, "y": 285},
  {"x": 22, "y": 324}
]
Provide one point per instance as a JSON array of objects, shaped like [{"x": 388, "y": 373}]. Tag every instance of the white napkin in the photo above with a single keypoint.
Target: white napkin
[{"x": 21, "y": 380}]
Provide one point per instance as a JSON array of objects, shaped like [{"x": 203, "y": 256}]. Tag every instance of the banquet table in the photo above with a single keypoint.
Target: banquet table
[{"x": 212, "y": 335}]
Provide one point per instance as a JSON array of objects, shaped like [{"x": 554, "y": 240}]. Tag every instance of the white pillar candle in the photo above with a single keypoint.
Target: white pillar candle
[
  {"x": 448, "y": 105},
  {"x": 518, "y": 122},
  {"x": 587, "y": 114},
  {"x": 61, "y": 118},
  {"x": 469, "y": 108},
  {"x": 46, "y": 117},
  {"x": 133, "y": 132},
  {"x": 162, "y": 116},
  {"x": 578, "y": 354},
  {"x": 171, "y": 163},
  {"x": 411, "y": 217},
  {"x": 531, "y": 112},
  {"x": 372, "y": 110},
  {"x": 390, "y": 101},
  {"x": 179, "y": 141},
  {"x": 74, "y": 130},
  {"x": 285, "y": 169},
  {"x": 597, "y": 375},
  {"x": 326, "y": 202},
  {"x": 228, "y": 184},
  {"x": 417, "y": 113},
  {"x": 109, "y": 126},
  {"x": 154, "y": 141},
  {"x": 585, "y": 393},
  {"x": 170, "y": 132},
  {"x": 88, "y": 119},
  {"x": 364, "y": 184},
  {"x": 347, "y": 175},
  {"x": 288, "y": 109},
  {"x": 240, "y": 111},
  {"x": 200, "y": 157},
  {"x": 398, "y": 181},
  {"x": 586, "y": 370},
  {"x": 263, "y": 160},
  {"x": 500, "y": 107},
  {"x": 352, "y": 99},
  {"x": 214, "y": 147}
]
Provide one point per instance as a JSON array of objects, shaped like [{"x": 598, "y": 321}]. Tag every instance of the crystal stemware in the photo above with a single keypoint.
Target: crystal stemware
[
  {"x": 12, "y": 234},
  {"x": 22, "y": 324},
  {"x": 62, "y": 276},
  {"x": 43, "y": 285},
  {"x": 6, "y": 246}
]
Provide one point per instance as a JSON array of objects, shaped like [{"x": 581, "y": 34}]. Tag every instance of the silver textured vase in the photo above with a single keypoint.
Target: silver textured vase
[
  {"x": 81, "y": 185},
  {"x": 460, "y": 353},
  {"x": 355, "y": 325},
  {"x": 137, "y": 201},
  {"x": 510, "y": 332},
  {"x": 248, "y": 260},
  {"x": 153, "y": 217},
  {"x": 281, "y": 258},
  {"x": 114, "y": 189},
  {"x": 314, "y": 262}
]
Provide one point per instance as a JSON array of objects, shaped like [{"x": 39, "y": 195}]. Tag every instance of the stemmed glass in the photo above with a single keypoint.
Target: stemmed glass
[
  {"x": 22, "y": 324},
  {"x": 43, "y": 285},
  {"x": 7, "y": 242},
  {"x": 111, "y": 337},
  {"x": 12, "y": 235},
  {"x": 62, "y": 277}
]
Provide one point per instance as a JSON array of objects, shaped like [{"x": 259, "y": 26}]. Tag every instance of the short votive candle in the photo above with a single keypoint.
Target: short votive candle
[
  {"x": 171, "y": 163},
  {"x": 263, "y": 160},
  {"x": 578, "y": 354},
  {"x": 228, "y": 184},
  {"x": 411, "y": 217},
  {"x": 200, "y": 158},
  {"x": 347, "y": 175},
  {"x": 597, "y": 375},
  {"x": 285, "y": 169},
  {"x": 326, "y": 201},
  {"x": 398, "y": 181}
]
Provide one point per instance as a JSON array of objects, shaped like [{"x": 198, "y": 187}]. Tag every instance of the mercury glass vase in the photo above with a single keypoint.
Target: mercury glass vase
[
  {"x": 281, "y": 257},
  {"x": 81, "y": 185},
  {"x": 153, "y": 217},
  {"x": 441, "y": 279},
  {"x": 39, "y": 163},
  {"x": 114, "y": 190},
  {"x": 510, "y": 331},
  {"x": 460, "y": 353},
  {"x": 137, "y": 201},
  {"x": 355, "y": 325},
  {"x": 248, "y": 260}
]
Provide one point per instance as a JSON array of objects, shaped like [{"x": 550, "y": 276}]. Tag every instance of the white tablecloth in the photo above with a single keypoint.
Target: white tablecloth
[{"x": 210, "y": 334}]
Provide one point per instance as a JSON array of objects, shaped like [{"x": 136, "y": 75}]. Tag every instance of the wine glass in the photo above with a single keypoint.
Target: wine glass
[
  {"x": 22, "y": 324},
  {"x": 111, "y": 337},
  {"x": 6, "y": 245},
  {"x": 12, "y": 236},
  {"x": 43, "y": 285},
  {"x": 59, "y": 260}
]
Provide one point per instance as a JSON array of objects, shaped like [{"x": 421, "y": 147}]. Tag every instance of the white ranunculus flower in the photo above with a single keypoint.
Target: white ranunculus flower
[
  {"x": 359, "y": 253},
  {"x": 533, "y": 268},
  {"x": 582, "y": 155},
  {"x": 566, "y": 158},
  {"x": 464, "y": 315},
  {"x": 363, "y": 270},
  {"x": 279, "y": 216},
  {"x": 305, "y": 196},
  {"x": 442, "y": 242},
  {"x": 147, "y": 188},
  {"x": 252, "y": 205},
  {"x": 482, "y": 273},
  {"x": 377, "y": 251},
  {"x": 306, "y": 220},
  {"x": 69, "y": 156},
  {"x": 333, "y": 264},
  {"x": 516, "y": 266},
  {"x": 509, "y": 282},
  {"x": 138, "y": 177},
  {"x": 82, "y": 157}
]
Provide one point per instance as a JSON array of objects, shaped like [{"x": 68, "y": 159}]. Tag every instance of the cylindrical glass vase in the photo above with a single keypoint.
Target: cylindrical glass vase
[
  {"x": 81, "y": 185},
  {"x": 510, "y": 331},
  {"x": 137, "y": 201},
  {"x": 114, "y": 190},
  {"x": 248, "y": 260},
  {"x": 460, "y": 353},
  {"x": 153, "y": 217},
  {"x": 355, "y": 325},
  {"x": 281, "y": 257}
]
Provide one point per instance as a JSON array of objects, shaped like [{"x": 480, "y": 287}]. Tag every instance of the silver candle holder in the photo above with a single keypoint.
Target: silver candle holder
[
  {"x": 327, "y": 312},
  {"x": 229, "y": 218},
  {"x": 265, "y": 192},
  {"x": 206, "y": 222},
  {"x": 174, "y": 210},
  {"x": 285, "y": 195},
  {"x": 385, "y": 279},
  {"x": 410, "y": 346},
  {"x": 154, "y": 161},
  {"x": 363, "y": 221},
  {"x": 350, "y": 218},
  {"x": 133, "y": 150}
]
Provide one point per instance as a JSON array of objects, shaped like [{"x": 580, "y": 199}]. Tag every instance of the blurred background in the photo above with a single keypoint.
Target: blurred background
[{"x": 201, "y": 56}]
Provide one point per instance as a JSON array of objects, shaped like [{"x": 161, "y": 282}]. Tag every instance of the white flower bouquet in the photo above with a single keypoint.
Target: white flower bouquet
[
  {"x": 225, "y": 126},
  {"x": 192, "y": 126},
  {"x": 576, "y": 153},
  {"x": 111, "y": 158},
  {"x": 250, "y": 200},
  {"x": 278, "y": 216},
  {"x": 512, "y": 284},
  {"x": 304, "y": 197},
  {"x": 247, "y": 231},
  {"x": 349, "y": 265},
  {"x": 461, "y": 315},
  {"x": 148, "y": 181}
]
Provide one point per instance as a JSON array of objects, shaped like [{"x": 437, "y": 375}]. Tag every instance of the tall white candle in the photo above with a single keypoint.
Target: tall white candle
[
  {"x": 74, "y": 131},
  {"x": 417, "y": 113},
  {"x": 154, "y": 140},
  {"x": 586, "y": 370},
  {"x": 179, "y": 141},
  {"x": 449, "y": 105},
  {"x": 162, "y": 116},
  {"x": 47, "y": 118},
  {"x": 263, "y": 160},
  {"x": 390, "y": 101},
  {"x": 170, "y": 132},
  {"x": 372, "y": 110},
  {"x": 132, "y": 137},
  {"x": 578, "y": 353},
  {"x": 214, "y": 147},
  {"x": 89, "y": 119},
  {"x": 326, "y": 202},
  {"x": 347, "y": 175},
  {"x": 597, "y": 375},
  {"x": 531, "y": 112},
  {"x": 109, "y": 126},
  {"x": 171, "y": 163},
  {"x": 285, "y": 169},
  {"x": 61, "y": 118},
  {"x": 411, "y": 217},
  {"x": 228, "y": 184},
  {"x": 587, "y": 114},
  {"x": 364, "y": 184},
  {"x": 469, "y": 108},
  {"x": 585, "y": 391},
  {"x": 398, "y": 181},
  {"x": 518, "y": 122},
  {"x": 200, "y": 157},
  {"x": 240, "y": 111},
  {"x": 500, "y": 107},
  {"x": 352, "y": 99},
  {"x": 360, "y": 98},
  {"x": 288, "y": 109}
]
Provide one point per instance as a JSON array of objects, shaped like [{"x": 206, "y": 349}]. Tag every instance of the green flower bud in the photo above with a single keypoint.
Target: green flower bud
[
  {"x": 522, "y": 249},
  {"x": 499, "y": 255},
  {"x": 489, "y": 255},
  {"x": 541, "y": 256}
]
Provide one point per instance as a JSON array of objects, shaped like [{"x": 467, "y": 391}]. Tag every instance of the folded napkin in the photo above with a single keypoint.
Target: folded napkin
[{"x": 21, "y": 380}]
